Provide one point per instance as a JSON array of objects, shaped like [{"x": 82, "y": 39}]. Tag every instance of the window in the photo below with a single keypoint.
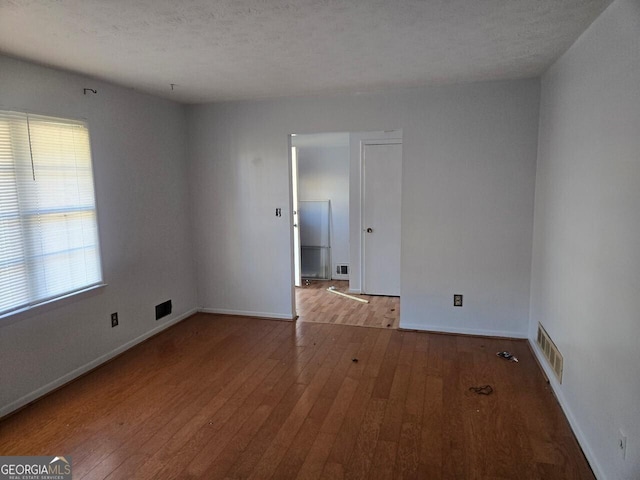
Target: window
[{"x": 48, "y": 229}]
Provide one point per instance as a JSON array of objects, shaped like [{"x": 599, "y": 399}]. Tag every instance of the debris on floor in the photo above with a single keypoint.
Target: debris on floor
[
  {"x": 507, "y": 356},
  {"x": 483, "y": 390},
  {"x": 332, "y": 289}
]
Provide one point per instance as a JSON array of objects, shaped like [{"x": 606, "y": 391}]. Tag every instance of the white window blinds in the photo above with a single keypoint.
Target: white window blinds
[{"x": 48, "y": 229}]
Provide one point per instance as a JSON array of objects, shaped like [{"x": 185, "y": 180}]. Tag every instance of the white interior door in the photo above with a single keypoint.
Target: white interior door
[
  {"x": 296, "y": 219},
  {"x": 381, "y": 212}
]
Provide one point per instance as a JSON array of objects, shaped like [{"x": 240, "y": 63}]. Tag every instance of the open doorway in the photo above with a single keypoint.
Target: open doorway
[
  {"x": 321, "y": 205},
  {"x": 328, "y": 196}
]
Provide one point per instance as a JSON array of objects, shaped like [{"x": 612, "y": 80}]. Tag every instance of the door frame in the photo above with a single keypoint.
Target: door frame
[
  {"x": 356, "y": 137},
  {"x": 295, "y": 220}
]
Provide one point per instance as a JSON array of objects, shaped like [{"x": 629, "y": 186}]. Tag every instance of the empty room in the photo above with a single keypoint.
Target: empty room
[{"x": 320, "y": 239}]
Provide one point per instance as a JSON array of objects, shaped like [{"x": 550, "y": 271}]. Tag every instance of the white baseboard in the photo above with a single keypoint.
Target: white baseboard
[
  {"x": 557, "y": 390},
  {"x": 243, "y": 313},
  {"x": 30, "y": 397},
  {"x": 464, "y": 331}
]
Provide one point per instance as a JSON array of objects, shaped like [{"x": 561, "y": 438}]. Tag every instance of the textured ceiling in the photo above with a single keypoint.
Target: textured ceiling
[{"x": 241, "y": 49}]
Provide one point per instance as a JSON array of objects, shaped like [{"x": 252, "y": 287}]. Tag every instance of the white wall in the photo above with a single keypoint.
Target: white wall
[
  {"x": 469, "y": 154},
  {"x": 586, "y": 257},
  {"x": 323, "y": 174},
  {"x": 139, "y": 152}
]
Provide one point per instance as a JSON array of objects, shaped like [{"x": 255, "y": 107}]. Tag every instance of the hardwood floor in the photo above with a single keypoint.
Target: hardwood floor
[
  {"x": 232, "y": 397},
  {"x": 315, "y": 304}
]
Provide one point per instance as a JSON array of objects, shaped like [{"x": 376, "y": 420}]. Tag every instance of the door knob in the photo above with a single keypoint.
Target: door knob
[{"x": 369, "y": 230}]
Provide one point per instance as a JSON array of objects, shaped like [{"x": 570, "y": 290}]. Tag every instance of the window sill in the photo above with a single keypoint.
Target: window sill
[{"x": 39, "y": 308}]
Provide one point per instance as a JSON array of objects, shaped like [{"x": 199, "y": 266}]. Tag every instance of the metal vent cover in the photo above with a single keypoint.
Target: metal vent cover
[
  {"x": 342, "y": 269},
  {"x": 551, "y": 352}
]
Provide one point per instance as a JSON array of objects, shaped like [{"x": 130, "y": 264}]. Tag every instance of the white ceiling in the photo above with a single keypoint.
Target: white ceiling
[{"x": 242, "y": 49}]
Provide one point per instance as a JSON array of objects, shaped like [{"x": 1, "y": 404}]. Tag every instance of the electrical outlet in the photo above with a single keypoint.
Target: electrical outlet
[
  {"x": 457, "y": 300},
  {"x": 622, "y": 444},
  {"x": 114, "y": 319}
]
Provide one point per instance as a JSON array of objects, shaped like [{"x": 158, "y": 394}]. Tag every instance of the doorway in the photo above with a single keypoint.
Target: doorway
[
  {"x": 320, "y": 206},
  {"x": 345, "y": 172}
]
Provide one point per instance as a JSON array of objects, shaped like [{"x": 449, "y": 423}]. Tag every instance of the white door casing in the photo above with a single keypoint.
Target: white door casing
[{"x": 297, "y": 279}]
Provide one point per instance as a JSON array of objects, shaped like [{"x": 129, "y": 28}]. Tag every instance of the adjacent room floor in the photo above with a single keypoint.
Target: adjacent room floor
[
  {"x": 315, "y": 304},
  {"x": 233, "y": 397}
]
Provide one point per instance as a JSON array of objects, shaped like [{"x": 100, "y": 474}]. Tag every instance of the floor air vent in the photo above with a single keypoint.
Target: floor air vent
[{"x": 551, "y": 352}]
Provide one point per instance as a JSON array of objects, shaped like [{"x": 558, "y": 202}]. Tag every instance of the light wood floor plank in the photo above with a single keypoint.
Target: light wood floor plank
[{"x": 315, "y": 304}]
